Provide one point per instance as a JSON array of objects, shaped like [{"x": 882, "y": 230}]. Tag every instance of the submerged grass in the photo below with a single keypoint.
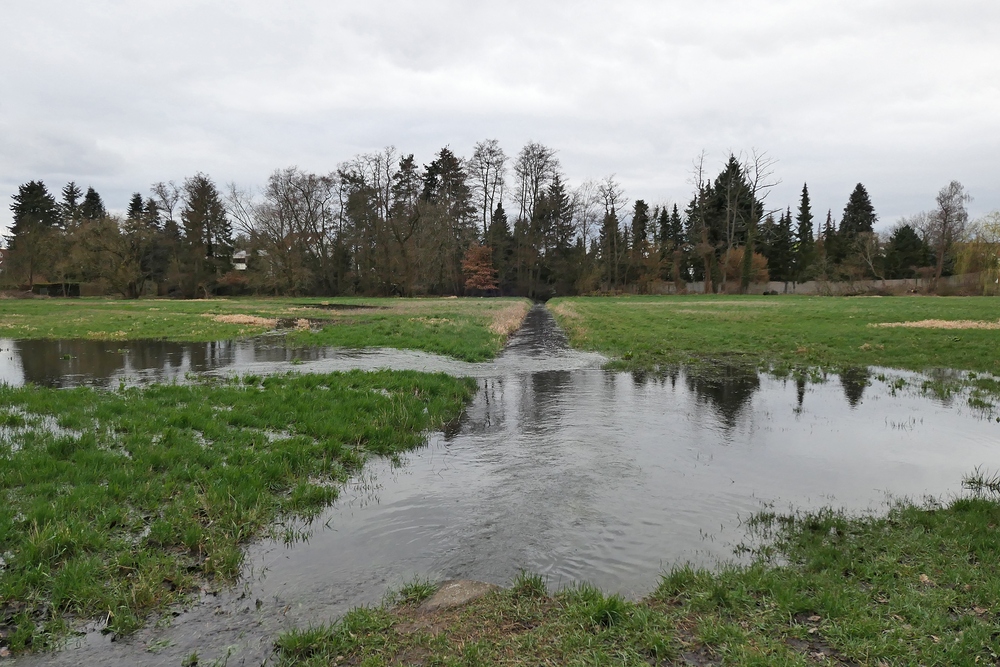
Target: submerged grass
[
  {"x": 468, "y": 329},
  {"x": 116, "y": 503},
  {"x": 917, "y": 586},
  {"x": 783, "y": 332}
]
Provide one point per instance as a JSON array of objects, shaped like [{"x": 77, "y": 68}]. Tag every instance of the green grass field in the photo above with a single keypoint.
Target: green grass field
[
  {"x": 116, "y": 503},
  {"x": 784, "y": 332},
  {"x": 916, "y": 587},
  {"x": 467, "y": 329}
]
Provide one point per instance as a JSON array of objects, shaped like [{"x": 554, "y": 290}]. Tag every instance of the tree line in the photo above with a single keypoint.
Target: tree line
[{"x": 382, "y": 224}]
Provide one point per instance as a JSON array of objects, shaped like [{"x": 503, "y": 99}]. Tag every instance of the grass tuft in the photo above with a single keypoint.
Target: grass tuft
[
  {"x": 529, "y": 585},
  {"x": 982, "y": 481},
  {"x": 415, "y": 592}
]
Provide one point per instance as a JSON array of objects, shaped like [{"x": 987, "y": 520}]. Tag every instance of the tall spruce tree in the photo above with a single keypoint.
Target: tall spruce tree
[
  {"x": 640, "y": 223},
  {"x": 92, "y": 207},
  {"x": 834, "y": 244},
  {"x": 859, "y": 214},
  {"x": 805, "y": 242},
  {"x": 36, "y": 217},
  {"x": 136, "y": 207},
  {"x": 207, "y": 235},
  {"x": 499, "y": 238},
  {"x": 780, "y": 262},
  {"x": 70, "y": 204}
]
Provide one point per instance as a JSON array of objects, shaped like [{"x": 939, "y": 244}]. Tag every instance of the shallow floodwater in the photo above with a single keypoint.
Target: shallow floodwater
[{"x": 561, "y": 468}]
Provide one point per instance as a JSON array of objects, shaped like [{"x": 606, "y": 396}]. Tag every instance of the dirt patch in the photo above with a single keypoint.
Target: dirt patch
[
  {"x": 252, "y": 320},
  {"x": 940, "y": 324},
  {"x": 299, "y": 323},
  {"x": 814, "y": 647}
]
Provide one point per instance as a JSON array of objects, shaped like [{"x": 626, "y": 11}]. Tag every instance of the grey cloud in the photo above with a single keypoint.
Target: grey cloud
[{"x": 899, "y": 95}]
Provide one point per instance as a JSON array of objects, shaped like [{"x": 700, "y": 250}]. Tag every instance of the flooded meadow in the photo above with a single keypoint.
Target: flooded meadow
[{"x": 557, "y": 467}]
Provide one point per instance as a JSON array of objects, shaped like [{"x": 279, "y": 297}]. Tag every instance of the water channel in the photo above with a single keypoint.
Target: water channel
[{"x": 557, "y": 467}]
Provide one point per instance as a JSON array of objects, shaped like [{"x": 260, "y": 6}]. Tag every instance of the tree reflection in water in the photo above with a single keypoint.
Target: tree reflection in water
[{"x": 854, "y": 381}]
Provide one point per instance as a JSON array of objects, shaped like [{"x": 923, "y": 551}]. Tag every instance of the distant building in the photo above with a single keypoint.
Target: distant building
[{"x": 240, "y": 260}]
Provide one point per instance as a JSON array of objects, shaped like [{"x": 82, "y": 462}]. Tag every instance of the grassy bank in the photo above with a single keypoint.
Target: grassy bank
[
  {"x": 786, "y": 332},
  {"x": 114, "y": 504},
  {"x": 468, "y": 329},
  {"x": 916, "y": 587}
]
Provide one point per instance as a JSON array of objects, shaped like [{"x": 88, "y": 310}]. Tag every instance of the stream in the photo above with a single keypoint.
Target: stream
[{"x": 557, "y": 467}]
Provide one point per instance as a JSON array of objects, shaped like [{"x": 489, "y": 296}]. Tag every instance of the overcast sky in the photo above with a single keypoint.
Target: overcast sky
[{"x": 903, "y": 96}]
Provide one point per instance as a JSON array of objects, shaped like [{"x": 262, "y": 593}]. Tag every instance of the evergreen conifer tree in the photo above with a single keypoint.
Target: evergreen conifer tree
[
  {"x": 499, "y": 238},
  {"x": 834, "y": 246},
  {"x": 640, "y": 224},
  {"x": 859, "y": 214},
  {"x": 905, "y": 252},
  {"x": 70, "y": 205},
  {"x": 780, "y": 262},
  {"x": 136, "y": 208},
  {"x": 207, "y": 234},
  {"x": 36, "y": 215},
  {"x": 92, "y": 207},
  {"x": 805, "y": 242}
]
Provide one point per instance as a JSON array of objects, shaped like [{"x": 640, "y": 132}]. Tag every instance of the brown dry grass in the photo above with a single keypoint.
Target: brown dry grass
[
  {"x": 508, "y": 320},
  {"x": 940, "y": 324},
  {"x": 252, "y": 320}
]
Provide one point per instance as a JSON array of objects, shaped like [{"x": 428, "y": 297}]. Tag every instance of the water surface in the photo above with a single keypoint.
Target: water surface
[{"x": 561, "y": 468}]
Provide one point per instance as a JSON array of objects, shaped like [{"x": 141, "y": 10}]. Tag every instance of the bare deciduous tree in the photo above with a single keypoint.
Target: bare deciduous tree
[
  {"x": 488, "y": 169},
  {"x": 586, "y": 204},
  {"x": 535, "y": 167},
  {"x": 947, "y": 223}
]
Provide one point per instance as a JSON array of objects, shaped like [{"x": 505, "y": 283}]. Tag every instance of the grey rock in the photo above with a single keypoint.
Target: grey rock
[{"x": 455, "y": 593}]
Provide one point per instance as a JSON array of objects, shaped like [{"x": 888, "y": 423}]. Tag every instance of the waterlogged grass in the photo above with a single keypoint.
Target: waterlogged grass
[
  {"x": 784, "y": 332},
  {"x": 918, "y": 586},
  {"x": 468, "y": 329},
  {"x": 114, "y": 504}
]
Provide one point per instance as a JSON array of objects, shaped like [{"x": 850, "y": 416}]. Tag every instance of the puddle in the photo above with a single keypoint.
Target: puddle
[
  {"x": 562, "y": 468},
  {"x": 68, "y": 363}
]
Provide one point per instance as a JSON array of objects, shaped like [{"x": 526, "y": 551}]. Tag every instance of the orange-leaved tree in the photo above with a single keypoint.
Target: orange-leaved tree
[{"x": 478, "y": 268}]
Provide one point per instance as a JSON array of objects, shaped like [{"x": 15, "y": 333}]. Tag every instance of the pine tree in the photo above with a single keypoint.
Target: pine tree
[
  {"x": 207, "y": 234},
  {"x": 611, "y": 243},
  {"x": 136, "y": 208},
  {"x": 151, "y": 214},
  {"x": 640, "y": 224},
  {"x": 92, "y": 207},
  {"x": 33, "y": 205},
  {"x": 70, "y": 205},
  {"x": 805, "y": 243},
  {"x": 859, "y": 215},
  {"x": 905, "y": 252},
  {"x": 36, "y": 216},
  {"x": 834, "y": 247},
  {"x": 676, "y": 227},
  {"x": 779, "y": 263},
  {"x": 663, "y": 240},
  {"x": 498, "y": 237}
]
